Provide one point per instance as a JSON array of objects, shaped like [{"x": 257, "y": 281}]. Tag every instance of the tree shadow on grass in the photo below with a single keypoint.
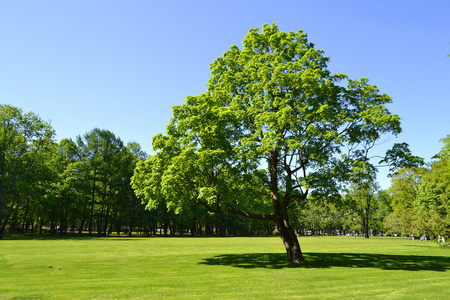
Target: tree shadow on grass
[{"x": 329, "y": 260}]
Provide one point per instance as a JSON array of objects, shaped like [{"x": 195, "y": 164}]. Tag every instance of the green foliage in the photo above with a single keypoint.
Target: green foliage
[
  {"x": 361, "y": 201},
  {"x": 401, "y": 157},
  {"x": 274, "y": 95},
  {"x": 403, "y": 193},
  {"x": 105, "y": 167},
  {"x": 73, "y": 185},
  {"x": 320, "y": 216},
  {"x": 24, "y": 139},
  {"x": 421, "y": 198},
  {"x": 433, "y": 199},
  {"x": 445, "y": 151}
]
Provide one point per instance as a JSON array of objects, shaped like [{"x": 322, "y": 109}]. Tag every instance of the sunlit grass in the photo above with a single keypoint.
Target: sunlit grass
[{"x": 222, "y": 268}]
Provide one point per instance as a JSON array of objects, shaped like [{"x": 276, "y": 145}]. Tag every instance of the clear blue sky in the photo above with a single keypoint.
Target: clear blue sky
[{"x": 121, "y": 65}]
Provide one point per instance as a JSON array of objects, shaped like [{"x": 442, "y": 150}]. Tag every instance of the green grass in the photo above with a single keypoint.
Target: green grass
[{"x": 222, "y": 268}]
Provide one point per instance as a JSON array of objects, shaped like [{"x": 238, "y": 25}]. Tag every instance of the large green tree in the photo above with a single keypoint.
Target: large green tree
[
  {"x": 23, "y": 139},
  {"x": 273, "y": 127}
]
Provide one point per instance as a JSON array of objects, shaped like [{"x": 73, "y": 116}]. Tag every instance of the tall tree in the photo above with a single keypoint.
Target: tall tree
[
  {"x": 23, "y": 138},
  {"x": 271, "y": 129},
  {"x": 99, "y": 151}
]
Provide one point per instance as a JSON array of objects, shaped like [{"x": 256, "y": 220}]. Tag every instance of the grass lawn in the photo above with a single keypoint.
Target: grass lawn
[{"x": 222, "y": 268}]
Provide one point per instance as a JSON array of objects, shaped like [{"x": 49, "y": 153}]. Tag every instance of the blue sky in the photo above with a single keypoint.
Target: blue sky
[{"x": 121, "y": 65}]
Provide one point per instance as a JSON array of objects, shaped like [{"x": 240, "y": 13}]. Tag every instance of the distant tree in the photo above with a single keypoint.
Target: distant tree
[
  {"x": 433, "y": 197},
  {"x": 89, "y": 148},
  {"x": 125, "y": 203},
  {"x": 433, "y": 200},
  {"x": 360, "y": 199},
  {"x": 271, "y": 129},
  {"x": 402, "y": 218},
  {"x": 383, "y": 201},
  {"x": 48, "y": 198},
  {"x": 137, "y": 151},
  {"x": 23, "y": 139},
  {"x": 320, "y": 216},
  {"x": 99, "y": 152}
]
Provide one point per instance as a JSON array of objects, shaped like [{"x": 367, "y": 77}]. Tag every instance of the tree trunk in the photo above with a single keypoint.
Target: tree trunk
[
  {"x": 105, "y": 226},
  {"x": 365, "y": 224},
  {"x": 287, "y": 233},
  {"x": 366, "y": 228},
  {"x": 25, "y": 215},
  {"x": 194, "y": 226},
  {"x": 367, "y": 216},
  {"x": 171, "y": 228},
  {"x": 100, "y": 221},
  {"x": 165, "y": 226},
  {"x": 12, "y": 226},
  {"x": 80, "y": 230},
  {"x": 91, "y": 218},
  {"x": 288, "y": 236},
  {"x": 32, "y": 224},
  {"x": 41, "y": 221}
]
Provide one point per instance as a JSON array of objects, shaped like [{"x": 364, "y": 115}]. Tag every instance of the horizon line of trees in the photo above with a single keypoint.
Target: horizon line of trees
[{"x": 84, "y": 186}]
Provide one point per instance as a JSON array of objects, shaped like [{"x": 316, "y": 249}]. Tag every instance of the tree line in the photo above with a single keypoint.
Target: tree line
[
  {"x": 84, "y": 186},
  {"x": 70, "y": 186},
  {"x": 419, "y": 198}
]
